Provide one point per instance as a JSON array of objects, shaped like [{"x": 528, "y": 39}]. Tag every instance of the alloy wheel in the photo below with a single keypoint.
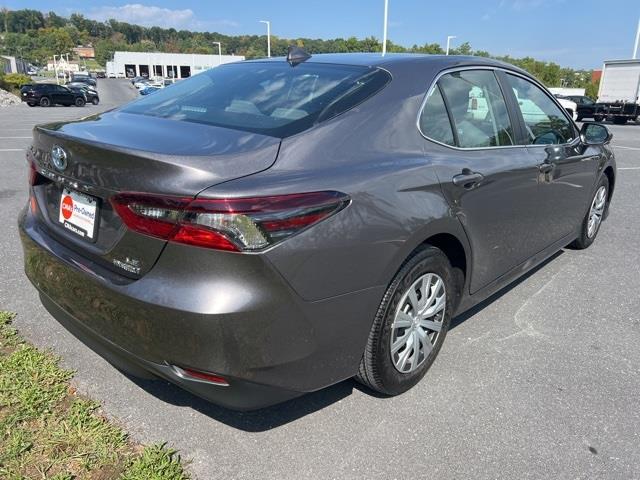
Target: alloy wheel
[
  {"x": 417, "y": 322},
  {"x": 596, "y": 211}
]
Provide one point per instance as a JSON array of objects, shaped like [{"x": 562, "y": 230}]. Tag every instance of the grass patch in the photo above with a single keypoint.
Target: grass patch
[{"x": 48, "y": 431}]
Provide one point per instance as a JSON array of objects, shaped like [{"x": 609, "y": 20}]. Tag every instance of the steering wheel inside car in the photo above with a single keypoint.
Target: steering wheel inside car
[{"x": 550, "y": 137}]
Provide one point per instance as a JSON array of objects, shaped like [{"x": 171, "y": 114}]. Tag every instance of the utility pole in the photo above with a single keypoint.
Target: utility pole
[
  {"x": 5, "y": 14},
  {"x": 268, "y": 37},
  {"x": 384, "y": 29},
  {"x": 635, "y": 47},
  {"x": 449, "y": 38},
  {"x": 55, "y": 69},
  {"x": 219, "y": 52}
]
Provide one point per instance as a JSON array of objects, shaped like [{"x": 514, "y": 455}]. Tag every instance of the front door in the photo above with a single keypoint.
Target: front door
[{"x": 567, "y": 167}]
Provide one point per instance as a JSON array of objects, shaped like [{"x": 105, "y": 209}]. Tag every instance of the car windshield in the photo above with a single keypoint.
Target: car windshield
[{"x": 269, "y": 98}]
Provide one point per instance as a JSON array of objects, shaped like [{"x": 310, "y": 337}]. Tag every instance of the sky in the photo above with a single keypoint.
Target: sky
[{"x": 573, "y": 33}]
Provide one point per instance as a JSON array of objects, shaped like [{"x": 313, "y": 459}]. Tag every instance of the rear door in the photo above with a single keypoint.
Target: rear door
[
  {"x": 48, "y": 91},
  {"x": 57, "y": 94},
  {"x": 65, "y": 96},
  {"x": 489, "y": 179},
  {"x": 567, "y": 169}
]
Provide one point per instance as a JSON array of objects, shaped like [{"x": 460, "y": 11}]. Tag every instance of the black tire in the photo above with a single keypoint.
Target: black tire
[
  {"x": 377, "y": 370},
  {"x": 584, "y": 241},
  {"x": 31, "y": 104},
  {"x": 578, "y": 118},
  {"x": 95, "y": 100},
  {"x": 619, "y": 120},
  {"x": 598, "y": 118},
  {"x": 79, "y": 102},
  {"x": 45, "y": 102}
]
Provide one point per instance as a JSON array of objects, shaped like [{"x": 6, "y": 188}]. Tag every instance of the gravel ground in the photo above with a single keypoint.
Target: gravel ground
[
  {"x": 7, "y": 99},
  {"x": 540, "y": 382}
]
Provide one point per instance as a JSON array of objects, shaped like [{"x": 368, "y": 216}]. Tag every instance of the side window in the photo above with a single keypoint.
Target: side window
[
  {"x": 434, "y": 121},
  {"x": 477, "y": 108},
  {"x": 544, "y": 120}
]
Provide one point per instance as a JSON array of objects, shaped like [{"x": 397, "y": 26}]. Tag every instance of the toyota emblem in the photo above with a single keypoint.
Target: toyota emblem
[{"x": 59, "y": 158}]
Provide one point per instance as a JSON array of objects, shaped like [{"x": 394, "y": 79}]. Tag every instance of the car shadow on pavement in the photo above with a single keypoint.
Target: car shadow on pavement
[
  {"x": 291, "y": 410},
  {"x": 253, "y": 421}
]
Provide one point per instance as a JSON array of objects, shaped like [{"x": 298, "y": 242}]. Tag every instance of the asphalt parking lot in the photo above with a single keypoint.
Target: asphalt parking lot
[{"x": 543, "y": 381}]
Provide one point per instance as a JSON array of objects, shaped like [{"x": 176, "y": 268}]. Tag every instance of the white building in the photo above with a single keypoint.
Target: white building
[
  {"x": 12, "y": 64},
  {"x": 169, "y": 65}
]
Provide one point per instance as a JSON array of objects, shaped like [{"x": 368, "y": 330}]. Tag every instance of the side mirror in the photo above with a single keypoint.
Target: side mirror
[{"x": 595, "y": 134}]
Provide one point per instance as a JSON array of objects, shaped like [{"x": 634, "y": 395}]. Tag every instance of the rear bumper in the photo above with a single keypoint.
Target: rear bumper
[
  {"x": 239, "y": 395},
  {"x": 225, "y": 313}
]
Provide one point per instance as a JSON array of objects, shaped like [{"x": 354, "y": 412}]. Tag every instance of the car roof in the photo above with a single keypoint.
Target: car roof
[{"x": 390, "y": 60}]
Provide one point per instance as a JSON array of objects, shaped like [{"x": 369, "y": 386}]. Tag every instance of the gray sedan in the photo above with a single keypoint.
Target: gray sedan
[{"x": 272, "y": 227}]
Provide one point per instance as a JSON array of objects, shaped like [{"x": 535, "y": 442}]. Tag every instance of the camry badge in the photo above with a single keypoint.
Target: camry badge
[{"x": 59, "y": 158}]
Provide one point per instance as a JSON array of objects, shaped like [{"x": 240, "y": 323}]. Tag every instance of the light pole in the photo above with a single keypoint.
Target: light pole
[
  {"x": 268, "y": 36},
  {"x": 384, "y": 29},
  {"x": 635, "y": 47},
  {"x": 219, "y": 52},
  {"x": 67, "y": 77},
  {"x": 55, "y": 69},
  {"x": 449, "y": 38}
]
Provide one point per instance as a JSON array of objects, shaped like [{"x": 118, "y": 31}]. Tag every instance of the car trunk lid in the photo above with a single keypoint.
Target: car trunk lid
[{"x": 119, "y": 152}]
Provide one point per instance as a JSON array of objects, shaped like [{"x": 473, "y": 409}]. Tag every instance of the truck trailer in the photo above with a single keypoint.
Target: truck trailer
[{"x": 619, "y": 92}]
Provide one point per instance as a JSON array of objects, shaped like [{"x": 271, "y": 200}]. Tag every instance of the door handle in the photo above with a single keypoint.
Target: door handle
[
  {"x": 467, "y": 178},
  {"x": 546, "y": 167}
]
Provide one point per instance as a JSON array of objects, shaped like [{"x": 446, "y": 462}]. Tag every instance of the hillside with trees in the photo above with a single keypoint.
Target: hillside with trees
[{"x": 37, "y": 36}]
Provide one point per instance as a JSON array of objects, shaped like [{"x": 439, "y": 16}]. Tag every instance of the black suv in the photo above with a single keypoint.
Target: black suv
[
  {"x": 587, "y": 108},
  {"x": 47, "y": 94}
]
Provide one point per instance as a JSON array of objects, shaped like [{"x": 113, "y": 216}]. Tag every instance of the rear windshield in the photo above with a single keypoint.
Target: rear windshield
[{"x": 268, "y": 98}]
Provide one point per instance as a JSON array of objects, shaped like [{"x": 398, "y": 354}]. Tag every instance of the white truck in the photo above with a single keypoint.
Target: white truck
[
  {"x": 112, "y": 71},
  {"x": 619, "y": 92}
]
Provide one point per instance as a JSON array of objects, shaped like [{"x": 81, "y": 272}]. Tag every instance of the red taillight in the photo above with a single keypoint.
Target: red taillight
[
  {"x": 197, "y": 375},
  {"x": 236, "y": 224},
  {"x": 33, "y": 174},
  {"x": 33, "y": 204},
  {"x": 152, "y": 215},
  {"x": 203, "y": 238}
]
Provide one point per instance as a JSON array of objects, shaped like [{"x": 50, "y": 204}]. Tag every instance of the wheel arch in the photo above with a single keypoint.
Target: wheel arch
[
  {"x": 447, "y": 235},
  {"x": 612, "y": 180}
]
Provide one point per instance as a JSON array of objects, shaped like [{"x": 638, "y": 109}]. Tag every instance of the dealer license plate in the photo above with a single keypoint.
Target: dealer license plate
[{"x": 79, "y": 213}]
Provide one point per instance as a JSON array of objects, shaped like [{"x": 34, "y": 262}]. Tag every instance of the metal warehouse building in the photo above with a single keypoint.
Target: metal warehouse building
[{"x": 171, "y": 65}]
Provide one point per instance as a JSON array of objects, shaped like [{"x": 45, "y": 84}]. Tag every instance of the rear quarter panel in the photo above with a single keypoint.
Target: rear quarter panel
[{"x": 375, "y": 154}]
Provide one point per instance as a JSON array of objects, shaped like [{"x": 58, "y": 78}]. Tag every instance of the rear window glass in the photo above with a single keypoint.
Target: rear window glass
[{"x": 268, "y": 98}]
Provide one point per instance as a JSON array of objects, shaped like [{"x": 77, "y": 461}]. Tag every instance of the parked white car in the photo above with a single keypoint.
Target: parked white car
[{"x": 569, "y": 106}]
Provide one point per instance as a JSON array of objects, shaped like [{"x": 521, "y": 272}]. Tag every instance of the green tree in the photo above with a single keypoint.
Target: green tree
[
  {"x": 591, "y": 90},
  {"x": 52, "y": 20},
  {"x": 4, "y": 19},
  {"x": 463, "y": 49},
  {"x": 57, "y": 40}
]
